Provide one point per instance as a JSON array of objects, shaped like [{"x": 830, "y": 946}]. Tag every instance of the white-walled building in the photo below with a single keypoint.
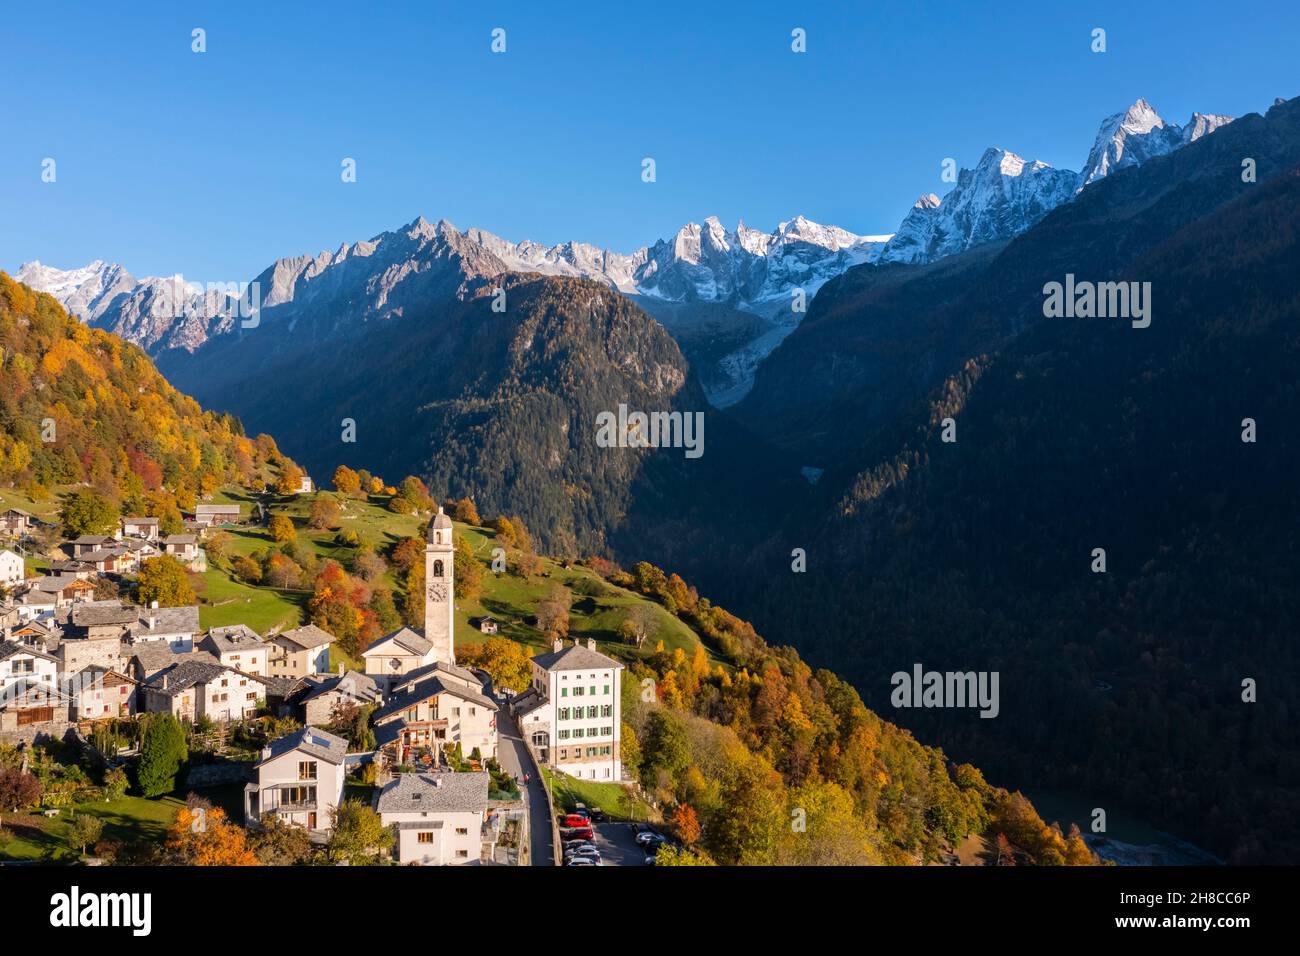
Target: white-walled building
[
  {"x": 439, "y": 816},
  {"x": 194, "y": 689},
  {"x": 300, "y": 778},
  {"x": 572, "y": 713},
  {"x": 297, "y": 653},
  {"x": 11, "y": 569},
  {"x": 434, "y": 712},
  {"x": 238, "y": 646}
]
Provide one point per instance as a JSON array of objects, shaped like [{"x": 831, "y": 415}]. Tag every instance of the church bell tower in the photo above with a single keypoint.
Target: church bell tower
[{"x": 439, "y": 589}]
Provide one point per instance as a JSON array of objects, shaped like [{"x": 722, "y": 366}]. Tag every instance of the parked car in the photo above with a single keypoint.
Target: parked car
[
  {"x": 575, "y": 820},
  {"x": 581, "y": 861},
  {"x": 589, "y": 852},
  {"x": 650, "y": 838},
  {"x": 650, "y": 860},
  {"x": 571, "y": 848},
  {"x": 598, "y": 814},
  {"x": 578, "y": 833}
]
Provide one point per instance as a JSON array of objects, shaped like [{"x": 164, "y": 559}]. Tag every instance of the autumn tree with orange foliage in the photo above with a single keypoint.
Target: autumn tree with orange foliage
[
  {"x": 202, "y": 836},
  {"x": 685, "y": 823}
]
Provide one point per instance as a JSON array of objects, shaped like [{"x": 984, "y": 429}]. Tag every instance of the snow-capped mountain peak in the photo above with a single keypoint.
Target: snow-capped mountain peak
[
  {"x": 1004, "y": 195},
  {"x": 1139, "y": 134}
]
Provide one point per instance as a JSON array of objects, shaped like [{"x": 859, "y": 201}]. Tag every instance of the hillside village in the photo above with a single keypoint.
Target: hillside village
[{"x": 403, "y": 721}]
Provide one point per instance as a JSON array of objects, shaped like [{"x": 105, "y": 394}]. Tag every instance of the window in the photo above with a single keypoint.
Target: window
[
  {"x": 462, "y": 831},
  {"x": 564, "y": 692},
  {"x": 606, "y": 690},
  {"x": 593, "y": 690},
  {"x": 250, "y": 696},
  {"x": 564, "y": 735},
  {"x": 591, "y": 751},
  {"x": 24, "y": 666},
  {"x": 564, "y": 713},
  {"x": 306, "y": 770},
  {"x": 437, "y": 569},
  {"x": 607, "y": 771},
  {"x": 462, "y": 854},
  {"x": 455, "y": 711},
  {"x": 472, "y": 712},
  {"x": 577, "y": 691},
  {"x": 607, "y": 731},
  {"x": 297, "y": 794},
  {"x": 563, "y": 753},
  {"x": 577, "y": 734},
  {"x": 606, "y": 711},
  {"x": 413, "y": 713},
  {"x": 424, "y": 836}
]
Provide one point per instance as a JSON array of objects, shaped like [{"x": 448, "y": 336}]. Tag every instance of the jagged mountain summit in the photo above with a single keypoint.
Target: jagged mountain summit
[
  {"x": 727, "y": 295},
  {"x": 1004, "y": 195},
  {"x": 1139, "y": 134},
  {"x": 1001, "y": 197}
]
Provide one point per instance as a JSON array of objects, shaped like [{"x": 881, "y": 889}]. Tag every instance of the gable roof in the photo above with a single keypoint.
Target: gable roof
[
  {"x": 235, "y": 637},
  {"x": 400, "y": 700},
  {"x": 310, "y": 740},
  {"x": 154, "y": 656},
  {"x": 167, "y": 620},
  {"x": 216, "y": 509},
  {"x": 10, "y": 649},
  {"x": 179, "y": 539},
  {"x": 317, "y": 685},
  {"x": 93, "y": 613},
  {"x": 438, "y": 667},
  {"x": 142, "y": 520},
  {"x": 307, "y": 637},
  {"x": 434, "y": 793},
  {"x": 188, "y": 673},
  {"x": 405, "y": 638},
  {"x": 575, "y": 657}
]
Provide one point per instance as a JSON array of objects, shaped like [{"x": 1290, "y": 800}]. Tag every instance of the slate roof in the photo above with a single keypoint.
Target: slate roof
[
  {"x": 9, "y": 648},
  {"x": 93, "y": 613},
  {"x": 405, "y": 638},
  {"x": 236, "y": 637},
  {"x": 401, "y": 700},
  {"x": 434, "y": 793},
  {"x": 154, "y": 656},
  {"x": 427, "y": 670},
  {"x": 317, "y": 685},
  {"x": 307, "y": 637},
  {"x": 575, "y": 657},
  {"x": 167, "y": 620},
  {"x": 181, "y": 677},
  {"x": 179, "y": 539},
  {"x": 52, "y": 583},
  {"x": 127, "y": 521},
  {"x": 310, "y": 740}
]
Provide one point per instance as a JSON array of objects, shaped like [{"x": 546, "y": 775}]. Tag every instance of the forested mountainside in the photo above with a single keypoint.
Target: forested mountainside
[
  {"x": 80, "y": 405},
  {"x": 501, "y": 405},
  {"x": 739, "y": 746},
  {"x": 1071, "y": 435}
]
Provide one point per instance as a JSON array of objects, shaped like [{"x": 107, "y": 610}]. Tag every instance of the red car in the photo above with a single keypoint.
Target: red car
[
  {"x": 575, "y": 820},
  {"x": 578, "y": 833}
]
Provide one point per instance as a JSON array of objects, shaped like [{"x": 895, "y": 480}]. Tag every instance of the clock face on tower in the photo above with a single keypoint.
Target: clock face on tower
[{"x": 437, "y": 591}]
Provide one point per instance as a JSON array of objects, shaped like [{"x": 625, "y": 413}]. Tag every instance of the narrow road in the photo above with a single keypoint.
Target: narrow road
[{"x": 513, "y": 757}]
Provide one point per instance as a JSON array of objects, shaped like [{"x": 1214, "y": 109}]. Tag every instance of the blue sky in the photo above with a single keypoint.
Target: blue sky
[{"x": 215, "y": 164}]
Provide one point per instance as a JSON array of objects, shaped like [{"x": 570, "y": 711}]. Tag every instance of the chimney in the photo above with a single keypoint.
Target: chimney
[
  {"x": 591, "y": 643},
  {"x": 558, "y": 645}
]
